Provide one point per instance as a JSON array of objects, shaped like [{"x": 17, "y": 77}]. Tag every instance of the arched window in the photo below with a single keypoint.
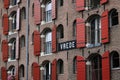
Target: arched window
[
  {"x": 23, "y": 13},
  {"x": 115, "y": 60},
  {"x": 114, "y": 17},
  {"x": 60, "y": 31},
  {"x": 74, "y": 65},
  {"x": 60, "y": 3},
  {"x": 48, "y": 11},
  {"x": 12, "y": 70},
  {"x": 94, "y": 31},
  {"x": 60, "y": 66},
  {"x": 48, "y": 43},
  {"x": 22, "y": 41},
  {"x": 74, "y": 28},
  {"x": 21, "y": 72}
]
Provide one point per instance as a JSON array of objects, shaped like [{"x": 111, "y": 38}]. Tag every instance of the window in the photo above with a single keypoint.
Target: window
[
  {"x": 74, "y": 65},
  {"x": 48, "y": 43},
  {"x": 33, "y": 10},
  {"x": 12, "y": 70},
  {"x": 94, "y": 3},
  {"x": 74, "y": 28},
  {"x": 94, "y": 31},
  {"x": 13, "y": 2},
  {"x": 23, "y": 13},
  {"x": 23, "y": 41},
  {"x": 48, "y": 11},
  {"x": 73, "y": 1},
  {"x": 114, "y": 17},
  {"x": 21, "y": 73},
  {"x": 12, "y": 47},
  {"x": 115, "y": 60},
  {"x": 60, "y": 67},
  {"x": 60, "y": 3},
  {"x": 60, "y": 31}
]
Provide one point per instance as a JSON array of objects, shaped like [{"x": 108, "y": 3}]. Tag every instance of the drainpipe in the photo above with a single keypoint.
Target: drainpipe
[{"x": 27, "y": 38}]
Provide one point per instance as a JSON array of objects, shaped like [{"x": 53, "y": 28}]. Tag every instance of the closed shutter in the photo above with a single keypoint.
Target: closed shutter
[
  {"x": 6, "y": 3},
  {"x": 17, "y": 47},
  {"x": 37, "y": 12},
  {"x": 54, "y": 39},
  {"x": 54, "y": 10},
  {"x": 4, "y": 73},
  {"x": 81, "y": 68},
  {"x": 106, "y": 66},
  {"x": 80, "y": 32},
  {"x": 5, "y": 50},
  {"x": 5, "y": 24},
  {"x": 103, "y": 1},
  {"x": 54, "y": 70},
  {"x": 37, "y": 45},
  {"x": 105, "y": 27},
  {"x": 36, "y": 71},
  {"x": 18, "y": 19},
  {"x": 80, "y": 5}
]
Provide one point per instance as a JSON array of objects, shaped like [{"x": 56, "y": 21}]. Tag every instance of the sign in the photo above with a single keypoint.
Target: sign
[{"x": 67, "y": 45}]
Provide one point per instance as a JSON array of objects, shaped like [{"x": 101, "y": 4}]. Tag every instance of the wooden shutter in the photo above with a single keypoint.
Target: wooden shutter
[
  {"x": 54, "y": 70},
  {"x": 4, "y": 73},
  {"x": 80, "y": 5},
  {"x": 37, "y": 44},
  {"x": 18, "y": 19},
  {"x": 103, "y": 1},
  {"x": 36, "y": 71},
  {"x": 81, "y": 68},
  {"x": 6, "y": 3},
  {"x": 5, "y": 50},
  {"x": 80, "y": 32},
  {"x": 37, "y": 12},
  {"x": 17, "y": 47},
  {"x": 5, "y": 24},
  {"x": 54, "y": 10},
  {"x": 105, "y": 27},
  {"x": 54, "y": 39},
  {"x": 106, "y": 66}
]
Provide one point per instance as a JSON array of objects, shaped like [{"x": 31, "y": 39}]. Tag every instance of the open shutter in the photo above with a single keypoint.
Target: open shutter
[
  {"x": 5, "y": 50},
  {"x": 54, "y": 10},
  {"x": 81, "y": 68},
  {"x": 18, "y": 19},
  {"x": 80, "y": 33},
  {"x": 80, "y": 5},
  {"x": 36, "y": 71},
  {"x": 37, "y": 12},
  {"x": 17, "y": 47},
  {"x": 6, "y": 3},
  {"x": 54, "y": 39},
  {"x": 4, "y": 73},
  {"x": 37, "y": 44},
  {"x": 5, "y": 24},
  {"x": 54, "y": 70},
  {"x": 103, "y": 1},
  {"x": 105, "y": 27},
  {"x": 106, "y": 66}
]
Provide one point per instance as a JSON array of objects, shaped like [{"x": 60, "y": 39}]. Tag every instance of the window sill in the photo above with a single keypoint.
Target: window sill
[
  {"x": 44, "y": 22},
  {"x": 116, "y": 68},
  {"x": 9, "y": 60},
  {"x": 88, "y": 45},
  {"x": 43, "y": 54}
]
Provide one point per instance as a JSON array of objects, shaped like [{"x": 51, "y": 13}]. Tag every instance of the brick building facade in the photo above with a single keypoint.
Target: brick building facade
[{"x": 67, "y": 39}]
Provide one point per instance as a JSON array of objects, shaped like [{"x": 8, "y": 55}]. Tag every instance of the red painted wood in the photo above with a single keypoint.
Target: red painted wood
[
  {"x": 36, "y": 71},
  {"x": 80, "y": 5},
  {"x": 4, "y": 73},
  {"x": 54, "y": 9},
  {"x": 106, "y": 66},
  {"x": 54, "y": 70},
  {"x": 5, "y": 24},
  {"x": 6, "y": 3},
  {"x": 5, "y": 50},
  {"x": 103, "y": 1}
]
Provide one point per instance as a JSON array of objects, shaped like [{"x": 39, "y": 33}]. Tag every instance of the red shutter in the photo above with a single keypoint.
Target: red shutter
[
  {"x": 106, "y": 66},
  {"x": 54, "y": 70},
  {"x": 54, "y": 10},
  {"x": 103, "y": 1},
  {"x": 80, "y": 30},
  {"x": 105, "y": 27},
  {"x": 36, "y": 71},
  {"x": 37, "y": 11},
  {"x": 4, "y": 73},
  {"x": 54, "y": 39},
  {"x": 6, "y": 4},
  {"x": 5, "y": 50},
  {"x": 5, "y": 24},
  {"x": 81, "y": 68},
  {"x": 80, "y": 5},
  {"x": 37, "y": 44}
]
